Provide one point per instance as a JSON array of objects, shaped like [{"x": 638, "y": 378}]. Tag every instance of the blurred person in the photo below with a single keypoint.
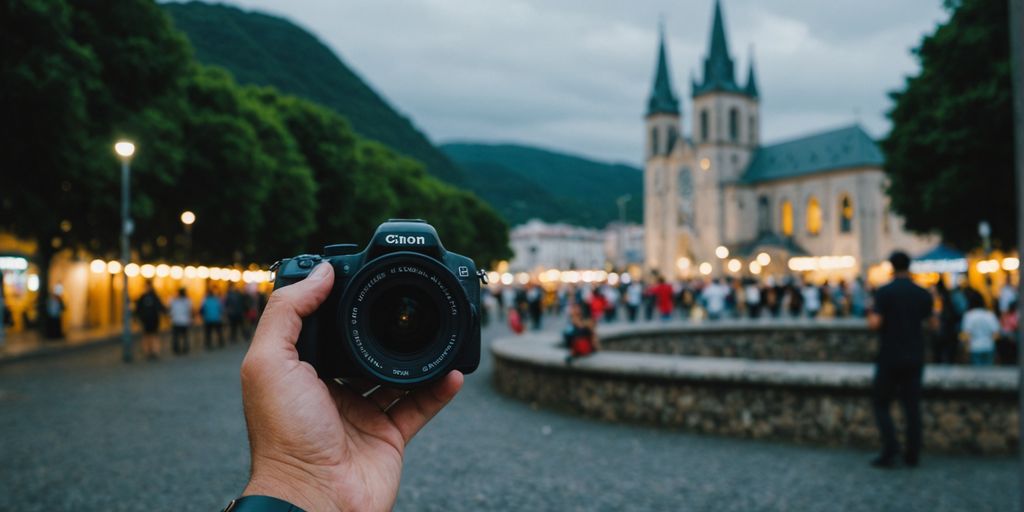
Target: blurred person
[
  {"x": 661, "y": 295},
  {"x": 811, "y": 299},
  {"x": 54, "y": 327},
  {"x": 794, "y": 298},
  {"x": 1006, "y": 348},
  {"x": 1007, "y": 296},
  {"x": 508, "y": 297},
  {"x": 714, "y": 297},
  {"x": 979, "y": 329},
  {"x": 840, "y": 299},
  {"x": 598, "y": 305},
  {"x": 634, "y": 299},
  {"x": 612, "y": 296},
  {"x": 752, "y": 296},
  {"x": 686, "y": 300},
  {"x": 581, "y": 335},
  {"x": 316, "y": 445},
  {"x": 959, "y": 296},
  {"x": 900, "y": 310},
  {"x": 234, "y": 309},
  {"x": 149, "y": 308},
  {"x": 734, "y": 299},
  {"x": 181, "y": 312},
  {"x": 212, "y": 312},
  {"x": 946, "y": 340},
  {"x": 534, "y": 295},
  {"x": 858, "y": 298}
]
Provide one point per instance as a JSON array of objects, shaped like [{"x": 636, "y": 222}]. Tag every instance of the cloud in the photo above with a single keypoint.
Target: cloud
[{"x": 575, "y": 74}]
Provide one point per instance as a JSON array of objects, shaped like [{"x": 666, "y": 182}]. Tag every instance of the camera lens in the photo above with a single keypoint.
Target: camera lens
[{"x": 404, "y": 320}]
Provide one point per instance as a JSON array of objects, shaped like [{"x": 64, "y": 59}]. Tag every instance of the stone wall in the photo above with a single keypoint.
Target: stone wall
[
  {"x": 966, "y": 410},
  {"x": 790, "y": 341}
]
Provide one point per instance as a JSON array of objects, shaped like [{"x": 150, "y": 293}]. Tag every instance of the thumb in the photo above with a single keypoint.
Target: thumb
[{"x": 288, "y": 305}]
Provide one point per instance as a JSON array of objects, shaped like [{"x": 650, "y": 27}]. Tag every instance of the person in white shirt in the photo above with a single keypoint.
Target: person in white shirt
[
  {"x": 812, "y": 299},
  {"x": 714, "y": 296},
  {"x": 634, "y": 298},
  {"x": 181, "y": 313},
  {"x": 752, "y": 295},
  {"x": 980, "y": 327}
]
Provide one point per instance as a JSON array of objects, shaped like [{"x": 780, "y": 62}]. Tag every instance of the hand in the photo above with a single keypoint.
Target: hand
[{"x": 319, "y": 446}]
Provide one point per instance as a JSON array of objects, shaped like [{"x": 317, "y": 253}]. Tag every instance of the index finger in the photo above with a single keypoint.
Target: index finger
[{"x": 281, "y": 322}]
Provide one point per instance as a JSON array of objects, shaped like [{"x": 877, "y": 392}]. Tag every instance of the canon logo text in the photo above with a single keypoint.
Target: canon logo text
[{"x": 406, "y": 240}]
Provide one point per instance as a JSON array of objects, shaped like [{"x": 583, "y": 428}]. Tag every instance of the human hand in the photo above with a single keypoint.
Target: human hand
[{"x": 316, "y": 445}]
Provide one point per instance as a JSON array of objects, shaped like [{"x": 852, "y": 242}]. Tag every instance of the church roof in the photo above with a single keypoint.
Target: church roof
[
  {"x": 719, "y": 70},
  {"x": 842, "y": 148},
  {"x": 662, "y": 100}
]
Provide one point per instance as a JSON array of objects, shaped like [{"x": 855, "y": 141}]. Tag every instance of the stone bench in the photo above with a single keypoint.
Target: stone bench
[{"x": 966, "y": 410}]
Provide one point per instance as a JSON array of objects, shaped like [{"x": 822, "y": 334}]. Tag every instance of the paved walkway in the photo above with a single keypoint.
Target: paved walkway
[{"x": 86, "y": 432}]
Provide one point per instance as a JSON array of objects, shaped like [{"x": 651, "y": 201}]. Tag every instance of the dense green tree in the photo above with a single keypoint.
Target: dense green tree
[{"x": 949, "y": 156}]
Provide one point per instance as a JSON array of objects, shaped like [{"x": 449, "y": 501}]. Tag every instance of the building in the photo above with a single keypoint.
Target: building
[
  {"x": 538, "y": 246},
  {"x": 717, "y": 199}
]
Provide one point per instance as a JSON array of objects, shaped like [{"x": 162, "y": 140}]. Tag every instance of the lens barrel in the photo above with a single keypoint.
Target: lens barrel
[{"x": 404, "y": 316}]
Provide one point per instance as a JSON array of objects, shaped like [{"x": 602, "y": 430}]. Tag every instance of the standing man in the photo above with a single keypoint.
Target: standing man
[
  {"x": 234, "y": 306},
  {"x": 212, "y": 311},
  {"x": 149, "y": 308},
  {"x": 900, "y": 310},
  {"x": 181, "y": 320}
]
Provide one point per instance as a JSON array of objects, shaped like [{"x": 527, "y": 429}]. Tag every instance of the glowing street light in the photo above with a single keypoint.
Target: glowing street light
[
  {"x": 722, "y": 252},
  {"x": 126, "y": 150},
  {"x": 764, "y": 259},
  {"x": 188, "y": 218}
]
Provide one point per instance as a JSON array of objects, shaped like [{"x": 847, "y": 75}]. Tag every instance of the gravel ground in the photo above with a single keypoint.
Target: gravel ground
[{"x": 85, "y": 432}]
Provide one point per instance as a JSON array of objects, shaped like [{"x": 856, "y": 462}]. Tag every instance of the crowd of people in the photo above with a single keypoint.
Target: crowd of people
[
  {"x": 970, "y": 331},
  {"x": 237, "y": 309}
]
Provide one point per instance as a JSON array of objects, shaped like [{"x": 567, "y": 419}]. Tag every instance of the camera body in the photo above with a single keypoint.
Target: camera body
[{"x": 402, "y": 313}]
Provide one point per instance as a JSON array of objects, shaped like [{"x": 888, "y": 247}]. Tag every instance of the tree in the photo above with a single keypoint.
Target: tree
[{"x": 949, "y": 156}]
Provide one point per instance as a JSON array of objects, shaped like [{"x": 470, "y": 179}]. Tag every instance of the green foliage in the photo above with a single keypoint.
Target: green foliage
[
  {"x": 523, "y": 183},
  {"x": 266, "y": 50},
  {"x": 267, "y": 175},
  {"x": 949, "y": 156}
]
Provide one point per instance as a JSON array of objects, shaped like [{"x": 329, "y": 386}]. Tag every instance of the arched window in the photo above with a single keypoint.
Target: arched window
[
  {"x": 654, "y": 140},
  {"x": 670, "y": 144},
  {"x": 764, "y": 220},
  {"x": 813, "y": 216},
  {"x": 704, "y": 125},
  {"x": 845, "y": 214},
  {"x": 787, "y": 218},
  {"x": 753, "y": 130},
  {"x": 734, "y": 125}
]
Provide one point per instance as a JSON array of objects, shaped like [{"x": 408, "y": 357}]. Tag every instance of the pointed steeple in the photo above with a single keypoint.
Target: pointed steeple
[
  {"x": 662, "y": 100},
  {"x": 719, "y": 71},
  {"x": 751, "y": 88}
]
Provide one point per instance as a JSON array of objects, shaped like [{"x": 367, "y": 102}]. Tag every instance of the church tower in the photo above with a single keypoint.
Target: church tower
[
  {"x": 726, "y": 132},
  {"x": 662, "y": 130}
]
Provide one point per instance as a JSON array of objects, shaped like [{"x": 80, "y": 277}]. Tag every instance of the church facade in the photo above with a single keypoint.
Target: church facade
[{"x": 719, "y": 202}]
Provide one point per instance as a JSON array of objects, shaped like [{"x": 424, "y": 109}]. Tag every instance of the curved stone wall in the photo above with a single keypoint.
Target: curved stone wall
[
  {"x": 966, "y": 410},
  {"x": 794, "y": 340}
]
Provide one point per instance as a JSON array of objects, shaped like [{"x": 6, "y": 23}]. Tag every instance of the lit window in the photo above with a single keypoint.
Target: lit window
[
  {"x": 813, "y": 216},
  {"x": 845, "y": 214},
  {"x": 787, "y": 218}
]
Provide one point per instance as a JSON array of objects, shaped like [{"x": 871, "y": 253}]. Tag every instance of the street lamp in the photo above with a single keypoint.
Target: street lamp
[
  {"x": 188, "y": 218},
  {"x": 125, "y": 150}
]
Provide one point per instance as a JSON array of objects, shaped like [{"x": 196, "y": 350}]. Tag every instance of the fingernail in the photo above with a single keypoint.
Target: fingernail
[{"x": 320, "y": 271}]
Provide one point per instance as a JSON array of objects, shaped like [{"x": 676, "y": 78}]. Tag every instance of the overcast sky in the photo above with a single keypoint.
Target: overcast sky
[{"x": 574, "y": 75}]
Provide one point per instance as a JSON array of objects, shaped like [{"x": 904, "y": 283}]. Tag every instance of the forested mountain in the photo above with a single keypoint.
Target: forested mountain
[
  {"x": 524, "y": 182},
  {"x": 262, "y": 49}
]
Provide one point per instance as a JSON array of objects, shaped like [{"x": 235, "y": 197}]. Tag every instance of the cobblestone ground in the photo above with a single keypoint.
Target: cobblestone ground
[{"x": 85, "y": 432}]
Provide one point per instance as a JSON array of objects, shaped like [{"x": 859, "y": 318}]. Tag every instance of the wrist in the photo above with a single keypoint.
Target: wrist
[{"x": 302, "y": 487}]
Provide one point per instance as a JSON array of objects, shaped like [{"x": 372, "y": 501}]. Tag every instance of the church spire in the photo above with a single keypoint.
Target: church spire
[
  {"x": 662, "y": 100},
  {"x": 719, "y": 72},
  {"x": 751, "y": 88}
]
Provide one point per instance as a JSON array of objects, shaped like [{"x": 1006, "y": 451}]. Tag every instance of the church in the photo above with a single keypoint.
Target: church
[{"x": 718, "y": 202}]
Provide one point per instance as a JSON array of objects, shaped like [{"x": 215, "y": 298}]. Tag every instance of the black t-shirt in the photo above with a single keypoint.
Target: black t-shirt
[{"x": 904, "y": 307}]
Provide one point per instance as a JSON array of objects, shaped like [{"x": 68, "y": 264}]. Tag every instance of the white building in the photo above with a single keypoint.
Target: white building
[{"x": 539, "y": 245}]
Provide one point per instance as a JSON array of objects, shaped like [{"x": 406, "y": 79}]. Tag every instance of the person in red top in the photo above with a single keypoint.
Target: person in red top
[
  {"x": 598, "y": 304},
  {"x": 662, "y": 293}
]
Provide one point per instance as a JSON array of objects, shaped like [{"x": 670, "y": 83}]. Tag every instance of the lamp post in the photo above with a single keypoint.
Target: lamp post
[
  {"x": 125, "y": 150},
  {"x": 188, "y": 218}
]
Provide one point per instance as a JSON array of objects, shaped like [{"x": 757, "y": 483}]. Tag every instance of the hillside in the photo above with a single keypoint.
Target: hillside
[
  {"x": 525, "y": 182},
  {"x": 267, "y": 50}
]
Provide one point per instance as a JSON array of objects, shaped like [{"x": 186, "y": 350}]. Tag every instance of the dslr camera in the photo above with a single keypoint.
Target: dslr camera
[{"x": 402, "y": 313}]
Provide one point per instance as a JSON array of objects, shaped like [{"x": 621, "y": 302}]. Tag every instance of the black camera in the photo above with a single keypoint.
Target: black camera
[{"x": 402, "y": 313}]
